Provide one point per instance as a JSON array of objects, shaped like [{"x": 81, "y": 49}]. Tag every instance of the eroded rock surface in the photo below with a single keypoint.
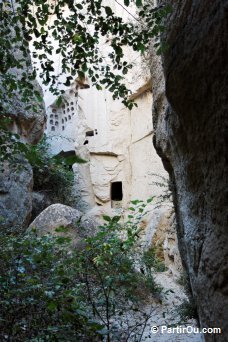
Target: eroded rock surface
[
  {"x": 55, "y": 216},
  {"x": 40, "y": 201},
  {"x": 191, "y": 138},
  {"x": 72, "y": 223},
  {"x": 16, "y": 183}
]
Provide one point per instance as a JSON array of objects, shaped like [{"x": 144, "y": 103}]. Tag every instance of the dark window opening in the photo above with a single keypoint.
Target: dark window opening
[
  {"x": 89, "y": 133},
  {"x": 116, "y": 191},
  {"x": 53, "y": 128},
  {"x": 63, "y": 128},
  {"x": 86, "y": 142}
]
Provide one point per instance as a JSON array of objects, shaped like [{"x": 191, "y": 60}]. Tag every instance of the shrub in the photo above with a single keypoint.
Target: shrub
[
  {"x": 52, "y": 174},
  {"x": 152, "y": 260},
  {"x": 38, "y": 294},
  {"x": 188, "y": 308},
  {"x": 51, "y": 292}
]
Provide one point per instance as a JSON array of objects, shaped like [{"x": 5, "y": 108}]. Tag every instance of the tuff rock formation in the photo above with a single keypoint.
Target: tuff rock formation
[
  {"x": 54, "y": 216},
  {"x": 191, "y": 138},
  {"x": 40, "y": 201},
  {"x": 72, "y": 223},
  {"x": 27, "y": 120},
  {"x": 16, "y": 183}
]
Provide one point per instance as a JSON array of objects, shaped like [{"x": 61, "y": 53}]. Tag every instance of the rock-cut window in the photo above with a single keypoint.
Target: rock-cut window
[{"x": 116, "y": 191}]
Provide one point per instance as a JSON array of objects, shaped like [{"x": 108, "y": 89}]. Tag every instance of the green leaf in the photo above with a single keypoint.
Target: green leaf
[
  {"x": 108, "y": 11},
  {"x": 116, "y": 219},
  {"x": 61, "y": 229},
  {"x": 59, "y": 101},
  {"x": 52, "y": 306},
  {"x": 138, "y": 3},
  {"x": 107, "y": 218}
]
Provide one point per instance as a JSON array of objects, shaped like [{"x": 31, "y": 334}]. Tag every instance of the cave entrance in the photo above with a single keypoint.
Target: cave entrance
[{"x": 116, "y": 194}]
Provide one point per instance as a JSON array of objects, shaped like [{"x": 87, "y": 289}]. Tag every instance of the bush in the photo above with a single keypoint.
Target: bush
[
  {"x": 52, "y": 174},
  {"x": 51, "y": 292},
  {"x": 188, "y": 308},
  {"x": 152, "y": 260},
  {"x": 39, "y": 294}
]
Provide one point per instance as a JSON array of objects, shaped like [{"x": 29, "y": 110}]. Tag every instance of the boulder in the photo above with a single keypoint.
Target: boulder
[
  {"x": 16, "y": 181},
  {"x": 55, "y": 216},
  {"x": 70, "y": 220}
]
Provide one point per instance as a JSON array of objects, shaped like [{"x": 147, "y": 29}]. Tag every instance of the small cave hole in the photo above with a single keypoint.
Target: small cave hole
[
  {"x": 89, "y": 134},
  {"x": 116, "y": 191},
  {"x": 86, "y": 142}
]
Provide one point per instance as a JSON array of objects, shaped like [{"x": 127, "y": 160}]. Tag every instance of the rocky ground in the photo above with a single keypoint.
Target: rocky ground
[{"x": 165, "y": 314}]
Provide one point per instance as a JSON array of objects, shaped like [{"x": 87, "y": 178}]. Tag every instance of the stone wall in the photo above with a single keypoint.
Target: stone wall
[{"x": 191, "y": 138}]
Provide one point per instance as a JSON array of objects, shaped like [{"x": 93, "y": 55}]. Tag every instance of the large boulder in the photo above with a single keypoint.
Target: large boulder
[
  {"x": 72, "y": 222},
  {"x": 191, "y": 138},
  {"x": 16, "y": 183}
]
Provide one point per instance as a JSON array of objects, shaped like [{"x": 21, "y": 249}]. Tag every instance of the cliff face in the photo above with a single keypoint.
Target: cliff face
[
  {"x": 28, "y": 121},
  {"x": 191, "y": 140}
]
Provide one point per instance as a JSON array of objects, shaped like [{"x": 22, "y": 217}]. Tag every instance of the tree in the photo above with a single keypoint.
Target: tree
[{"x": 78, "y": 35}]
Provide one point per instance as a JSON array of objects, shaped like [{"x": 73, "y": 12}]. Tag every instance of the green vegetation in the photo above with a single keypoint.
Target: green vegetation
[
  {"x": 165, "y": 184},
  {"x": 78, "y": 36},
  {"x": 51, "y": 292},
  {"x": 52, "y": 174},
  {"x": 152, "y": 260},
  {"x": 188, "y": 308}
]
